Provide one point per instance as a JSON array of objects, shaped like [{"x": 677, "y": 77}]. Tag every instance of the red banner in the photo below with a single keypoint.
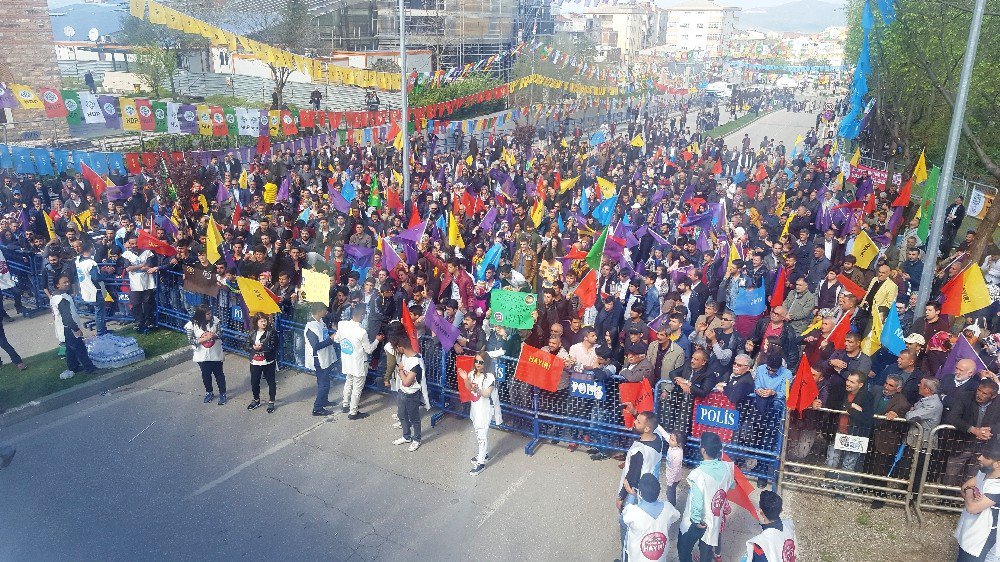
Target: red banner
[
  {"x": 147, "y": 121},
  {"x": 638, "y": 395},
  {"x": 464, "y": 363},
  {"x": 879, "y": 177},
  {"x": 219, "y": 127},
  {"x": 539, "y": 368},
  {"x": 53, "y": 102}
]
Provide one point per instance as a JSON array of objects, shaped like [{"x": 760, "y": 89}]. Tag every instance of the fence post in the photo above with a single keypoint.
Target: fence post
[
  {"x": 529, "y": 449},
  {"x": 442, "y": 376},
  {"x": 781, "y": 459}
]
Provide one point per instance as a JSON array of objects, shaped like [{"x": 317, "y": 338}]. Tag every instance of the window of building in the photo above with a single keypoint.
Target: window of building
[{"x": 701, "y": 26}]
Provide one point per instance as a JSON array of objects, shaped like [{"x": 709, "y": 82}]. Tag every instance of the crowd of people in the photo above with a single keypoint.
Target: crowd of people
[{"x": 693, "y": 229}]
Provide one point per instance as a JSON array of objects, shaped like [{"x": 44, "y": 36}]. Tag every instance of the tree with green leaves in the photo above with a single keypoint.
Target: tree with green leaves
[
  {"x": 159, "y": 50},
  {"x": 155, "y": 64},
  {"x": 916, "y": 63}
]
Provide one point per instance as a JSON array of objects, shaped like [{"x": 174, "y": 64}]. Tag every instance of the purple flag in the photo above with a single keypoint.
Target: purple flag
[
  {"x": 7, "y": 97},
  {"x": 283, "y": 190},
  {"x": 187, "y": 115},
  {"x": 415, "y": 233},
  {"x": 263, "y": 128},
  {"x": 409, "y": 249},
  {"x": 488, "y": 220},
  {"x": 703, "y": 220},
  {"x": 613, "y": 250},
  {"x": 109, "y": 107},
  {"x": 702, "y": 243},
  {"x": 338, "y": 201},
  {"x": 119, "y": 192},
  {"x": 390, "y": 259},
  {"x": 961, "y": 350},
  {"x": 658, "y": 196},
  {"x": 440, "y": 327},
  {"x": 167, "y": 225},
  {"x": 659, "y": 321},
  {"x": 361, "y": 256},
  {"x": 22, "y": 220},
  {"x": 222, "y": 195},
  {"x": 623, "y": 232},
  {"x": 896, "y": 219}
]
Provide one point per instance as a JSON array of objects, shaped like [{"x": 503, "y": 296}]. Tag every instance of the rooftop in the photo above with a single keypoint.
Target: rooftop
[{"x": 699, "y": 5}]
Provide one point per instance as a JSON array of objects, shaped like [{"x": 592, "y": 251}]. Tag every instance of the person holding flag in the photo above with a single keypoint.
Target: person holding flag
[
  {"x": 643, "y": 457},
  {"x": 141, "y": 268},
  {"x": 481, "y": 384}
]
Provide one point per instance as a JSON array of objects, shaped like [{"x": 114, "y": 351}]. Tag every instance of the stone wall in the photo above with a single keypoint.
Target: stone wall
[{"x": 28, "y": 56}]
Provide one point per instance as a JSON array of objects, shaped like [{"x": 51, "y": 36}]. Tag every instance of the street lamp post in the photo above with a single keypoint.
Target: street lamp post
[
  {"x": 951, "y": 152},
  {"x": 404, "y": 109}
]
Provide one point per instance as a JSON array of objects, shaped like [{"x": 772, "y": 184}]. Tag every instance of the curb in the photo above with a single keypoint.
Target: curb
[
  {"x": 747, "y": 124},
  {"x": 99, "y": 385}
]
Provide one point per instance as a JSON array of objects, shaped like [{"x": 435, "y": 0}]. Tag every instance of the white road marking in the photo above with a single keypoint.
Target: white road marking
[
  {"x": 503, "y": 497},
  {"x": 143, "y": 431},
  {"x": 243, "y": 466}
]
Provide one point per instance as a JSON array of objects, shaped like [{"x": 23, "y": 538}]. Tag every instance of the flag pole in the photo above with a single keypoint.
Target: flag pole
[
  {"x": 948, "y": 169},
  {"x": 404, "y": 109}
]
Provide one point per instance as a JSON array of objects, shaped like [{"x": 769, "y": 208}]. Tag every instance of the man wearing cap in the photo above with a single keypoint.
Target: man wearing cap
[
  {"x": 776, "y": 541},
  {"x": 637, "y": 367},
  {"x": 647, "y": 523},
  {"x": 710, "y": 482},
  {"x": 977, "y": 526},
  {"x": 643, "y": 457}
]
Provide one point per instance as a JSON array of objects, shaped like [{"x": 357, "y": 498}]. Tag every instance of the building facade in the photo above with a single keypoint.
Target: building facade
[{"x": 703, "y": 26}]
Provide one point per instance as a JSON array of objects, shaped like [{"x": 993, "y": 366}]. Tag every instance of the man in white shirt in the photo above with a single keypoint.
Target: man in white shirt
[
  {"x": 584, "y": 354},
  {"x": 320, "y": 356},
  {"x": 647, "y": 523},
  {"x": 355, "y": 348},
  {"x": 977, "y": 526},
  {"x": 91, "y": 288},
  {"x": 141, "y": 269},
  {"x": 776, "y": 541}
]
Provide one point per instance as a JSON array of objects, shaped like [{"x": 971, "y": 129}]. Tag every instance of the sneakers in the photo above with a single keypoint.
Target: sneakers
[
  {"x": 476, "y": 461},
  {"x": 21, "y": 366},
  {"x": 477, "y": 469},
  {"x": 397, "y": 425},
  {"x": 254, "y": 405},
  {"x": 271, "y": 407},
  {"x": 413, "y": 446},
  {"x": 345, "y": 409},
  {"x": 357, "y": 416},
  {"x": 401, "y": 441},
  {"x": 67, "y": 374},
  {"x": 222, "y": 399},
  {"x": 321, "y": 412},
  {"x": 209, "y": 396}
]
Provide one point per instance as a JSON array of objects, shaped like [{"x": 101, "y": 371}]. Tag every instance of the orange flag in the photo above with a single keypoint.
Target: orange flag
[
  {"x": 851, "y": 286},
  {"x": 587, "y": 290},
  {"x": 803, "y": 390},
  {"x": 539, "y": 368},
  {"x": 464, "y": 363},
  {"x": 740, "y": 494}
]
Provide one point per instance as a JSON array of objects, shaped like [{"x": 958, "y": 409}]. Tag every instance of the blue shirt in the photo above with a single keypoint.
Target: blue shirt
[{"x": 777, "y": 382}]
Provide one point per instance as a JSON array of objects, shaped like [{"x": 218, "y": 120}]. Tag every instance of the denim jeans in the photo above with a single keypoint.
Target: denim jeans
[{"x": 322, "y": 389}]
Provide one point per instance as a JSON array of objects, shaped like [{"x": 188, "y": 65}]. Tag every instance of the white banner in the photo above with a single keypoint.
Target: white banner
[{"x": 850, "y": 443}]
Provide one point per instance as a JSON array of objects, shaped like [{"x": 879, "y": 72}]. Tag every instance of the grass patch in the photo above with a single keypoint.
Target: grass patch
[
  {"x": 828, "y": 557},
  {"x": 726, "y": 128},
  {"x": 864, "y": 519},
  {"x": 41, "y": 378}
]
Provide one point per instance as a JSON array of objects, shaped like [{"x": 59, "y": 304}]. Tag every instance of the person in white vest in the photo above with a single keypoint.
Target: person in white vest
[
  {"x": 355, "y": 348},
  {"x": 480, "y": 383},
  {"x": 643, "y": 457},
  {"x": 709, "y": 485},
  {"x": 205, "y": 336},
  {"x": 69, "y": 329},
  {"x": 141, "y": 269},
  {"x": 977, "y": 526},
  {"x": 320, "y": 357},
  {"x": 91, "y": 287},
  {"x": 647, "y": 523},
  {"x": 776, "y": 541}
]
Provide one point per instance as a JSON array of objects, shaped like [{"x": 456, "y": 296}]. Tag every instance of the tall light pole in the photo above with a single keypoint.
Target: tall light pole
[
  {"x": 951, "y": 153},
  {"x": 404, "y": 109}
]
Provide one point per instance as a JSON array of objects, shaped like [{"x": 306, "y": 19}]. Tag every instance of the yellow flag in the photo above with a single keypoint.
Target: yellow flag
[
  {"x": 270, "y": 192},
  {"x": 204, "y": 120},
  {"x": 468, "y": 160},
  {"x": 788, "y": 223},
  {"x": 857, "y": 157},
  {"x": 137, "y": 8},
  {"x": 256, "y": 297},
  {"x": 817, "y": 323},
  {"x": 398, "y": 141},
  {"x": 26, "y": 97},
  {"x": 864, "y": 249},
  {"x": 873, "y": 341},
  {"x": 733, "y": 254},
  {"x": 213, "y": 239},
  {"x": 130, "y": 116},
  {"x": 537, "y": 212},
  {"x": 565, "y": 185},
  {"x": 607, "y": 188},
  {"x": 243, "y": 179},
  {"x": 975, "y": 295},
  {"x": 920, "y": 170},
  {"x": 82, "y": 220},
  {"x": 49, "y": 226},
  {"x": 397, "y": 177},
  {"x": 273, "y": 122},
  {"x": 454, "y": 236},
  {"x": 638, "y": 142},
  {"x": 781, "y": 204},
  {"x": 564, "y": 143},
  {"x": 798, "y": 140}
]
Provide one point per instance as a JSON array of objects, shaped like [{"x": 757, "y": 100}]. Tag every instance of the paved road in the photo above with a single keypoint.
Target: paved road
[
  {"x": 781, "y": 125},
  {"x": 149, "y": 471}
]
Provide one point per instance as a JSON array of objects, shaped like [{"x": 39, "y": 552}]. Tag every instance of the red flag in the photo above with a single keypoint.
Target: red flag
[
  {"x": 778, "y": 296},
  {"x": 144, "y": 108},
  {"x": 307, "y": 118},
  {"x": 414, "y": 217},
  {"x": 263, "y": 144},
  {"x": 740, "y": 494},
  {"x": 219, "y": 127},
  {"x": 851, "y": 286},
  {"x": 53, "y": 102},
  {"x": 840, "y": 331},
  {"x": 147, "y": 241},
  {"x": 587, "y": 290},
  {"x": 851, "y": 205},
  {"x": 392, "y": 200},
  {"x": 717, "y": 168},
  {"x": 97, "y": 183},
  {"x": 237, "y": 212},
  {"x": 952, "y": 293},
  {"x": 288, "y": 127},
  {"x": 803, "y": 390},
  {"x": 540, "y": 368},
  {"x": 464, "y": 363},
  {"x": 407, "y": 321},
  {"x": 761, "y": 173},
  {"x": 903, "y": 199},
  {"x": 870, "y": 204},
  {"x": 132, "y": 163},
  {"x": 639, "y": 395}
]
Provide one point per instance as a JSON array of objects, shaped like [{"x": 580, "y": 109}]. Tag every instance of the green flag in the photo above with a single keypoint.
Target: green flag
[
  {"x": 597, "y": 252},
  {"x": 512, "y": 309},
  {"x": 927, "y": 204},
  {"x": 231, "y": 122},
  {"x": 160, "y": 115},
  {"x": 72, "y": 102}
]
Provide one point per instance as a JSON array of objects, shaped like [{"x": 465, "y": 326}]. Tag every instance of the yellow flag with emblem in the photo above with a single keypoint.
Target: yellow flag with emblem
[
  {"x": 607, "y": 188},
  {"x": 243, "y": 179},
  {"x": 82, "y": 220},
  {"x": 856, "y": 158},
  {"x": 873, "y": 341},
  {"x": 454, "y": 236},
  {"x": 566, "y": 185},
  {"x": 638, "y": 142},
  {"x": 213, "y": 239},
  {"x": 864, "y": 249},
  {"x": 49, "y": 226},
  {"x": 920, "y": 170},
  {"x": 788, "y": 223},
  {"x": 256, "y": 296},
  {"x": 26, "y": 97},
  {"x": 817, "y": 323}
]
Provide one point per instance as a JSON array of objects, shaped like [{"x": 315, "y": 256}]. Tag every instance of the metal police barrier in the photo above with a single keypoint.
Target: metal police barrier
[
  {"x": 752, "y": 430},
  {"x": 174, "y": 307},
  {"x": 29, "y": 293},
  {"x": 824, "y": 452},
  {"x": 116, "y": 302},
  {"x": 950, "y": 459}
]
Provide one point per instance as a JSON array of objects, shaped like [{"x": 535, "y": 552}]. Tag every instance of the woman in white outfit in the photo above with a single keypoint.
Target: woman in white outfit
[
  {"x": 205, "y": 337},
  {"x": 480, "y": 383}
]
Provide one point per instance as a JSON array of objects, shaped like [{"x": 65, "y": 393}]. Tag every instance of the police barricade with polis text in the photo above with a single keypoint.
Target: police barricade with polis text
[
  {"x": 752, "y": 431},
  {"x": 26, "y": 270},
  {"x": 950, "y": 459},
  {"x": 824, "y": 452}
]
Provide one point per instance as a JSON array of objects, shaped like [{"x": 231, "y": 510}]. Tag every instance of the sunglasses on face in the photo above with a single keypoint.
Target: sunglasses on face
[{"x": 480, "y": 363}]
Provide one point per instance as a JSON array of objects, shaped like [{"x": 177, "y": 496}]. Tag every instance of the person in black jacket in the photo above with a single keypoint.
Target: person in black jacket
[
  {"x": 976, "y": 417},
  {"x": 262, "y": 343},
  {"x": 777, "y": 322},
  {"x": 858, "y": 420}
]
